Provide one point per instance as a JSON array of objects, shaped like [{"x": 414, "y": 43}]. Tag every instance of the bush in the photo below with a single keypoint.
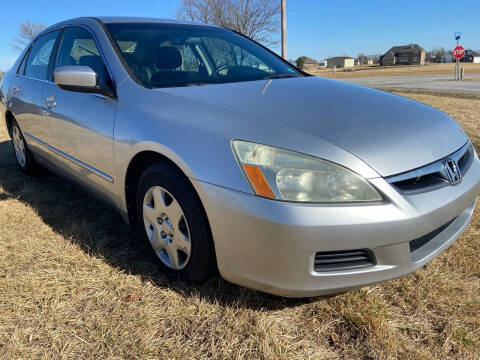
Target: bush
[{"x": 300, "y": 62}]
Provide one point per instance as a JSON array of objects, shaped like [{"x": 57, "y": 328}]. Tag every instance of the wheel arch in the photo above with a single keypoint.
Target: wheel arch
[
  {"x": 136, "y": 167},
  {"x": 138, "y": 164},
  {"x": 9, "y": 117}
]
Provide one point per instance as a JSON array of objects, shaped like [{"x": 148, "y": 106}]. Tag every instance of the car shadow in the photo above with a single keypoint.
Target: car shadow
[{"x": 101, "y": 232}]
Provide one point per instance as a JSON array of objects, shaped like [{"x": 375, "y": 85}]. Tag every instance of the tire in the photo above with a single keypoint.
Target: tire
[
  {"x": 23, "y": 155},
  {"x": 175, "y": 224}
]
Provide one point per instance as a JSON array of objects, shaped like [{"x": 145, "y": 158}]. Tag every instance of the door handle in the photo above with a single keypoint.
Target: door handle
[
  {"x": 51, "y": 105},
  {"x": 49, "y": 102},
  {"x": 15, "y": 89}
]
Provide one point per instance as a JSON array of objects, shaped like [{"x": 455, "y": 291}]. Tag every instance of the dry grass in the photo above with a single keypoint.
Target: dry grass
[
  {"x": 77, "y": 283},
  {"x": 376, "y": 71}
]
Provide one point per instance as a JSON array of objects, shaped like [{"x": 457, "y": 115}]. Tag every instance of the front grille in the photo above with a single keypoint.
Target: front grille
[
  {"x": 466, "y": 160},
  {"x": 433, "y": 175},
  {"x": 419, "y": 183},
  {"x": 425, "y": 239},
  {"x": 343, "y": 260}
]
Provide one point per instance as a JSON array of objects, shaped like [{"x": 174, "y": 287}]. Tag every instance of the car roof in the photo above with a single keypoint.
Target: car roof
[
  {"x": 123, "y": 19},
  {"x": 133, "y": 19}
]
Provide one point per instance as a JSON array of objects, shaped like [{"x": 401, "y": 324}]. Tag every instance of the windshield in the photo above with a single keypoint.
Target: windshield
[{"x": 170, "y": 55}]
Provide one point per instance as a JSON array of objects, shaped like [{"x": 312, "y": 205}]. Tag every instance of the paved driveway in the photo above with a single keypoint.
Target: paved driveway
[{"x": 427, "y": 83}]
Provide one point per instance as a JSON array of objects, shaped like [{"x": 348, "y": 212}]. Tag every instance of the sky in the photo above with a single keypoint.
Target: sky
[{"x": 315, "y": 28}]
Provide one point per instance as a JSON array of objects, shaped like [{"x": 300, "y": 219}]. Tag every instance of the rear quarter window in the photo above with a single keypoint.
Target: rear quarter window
[{"x": 21, "y": 68}]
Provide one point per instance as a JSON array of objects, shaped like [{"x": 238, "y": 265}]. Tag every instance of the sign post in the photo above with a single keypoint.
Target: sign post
[{"x": 458, "y": 53}]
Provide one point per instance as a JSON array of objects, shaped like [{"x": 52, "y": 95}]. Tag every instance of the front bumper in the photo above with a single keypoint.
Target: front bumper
[{"x": 270, "y": 245}]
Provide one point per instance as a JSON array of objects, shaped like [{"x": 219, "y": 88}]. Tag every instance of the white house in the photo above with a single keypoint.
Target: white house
[{"x": 341, "y": 62}]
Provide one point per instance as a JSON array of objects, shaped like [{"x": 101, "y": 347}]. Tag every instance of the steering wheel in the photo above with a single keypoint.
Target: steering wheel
[{"x": 221, "y": 68}]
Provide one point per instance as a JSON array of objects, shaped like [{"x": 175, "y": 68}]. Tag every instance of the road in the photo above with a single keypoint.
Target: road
[{"x": 426, "y": 83}]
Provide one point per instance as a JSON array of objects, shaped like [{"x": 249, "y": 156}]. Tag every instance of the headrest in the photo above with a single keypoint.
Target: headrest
[
  {"x": 94, "y": 61},
  {"x": 168, "y": 58}
]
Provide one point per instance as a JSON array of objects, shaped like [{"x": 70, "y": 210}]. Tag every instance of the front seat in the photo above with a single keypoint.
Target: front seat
[{"x": 168, "y": 60}]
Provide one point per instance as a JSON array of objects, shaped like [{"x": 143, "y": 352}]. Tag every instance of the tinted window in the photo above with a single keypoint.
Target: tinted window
[
  {"x": 167, "y": 55},
  {"x": 78, "y": 48},
  {"x": 38, "y": 59}
]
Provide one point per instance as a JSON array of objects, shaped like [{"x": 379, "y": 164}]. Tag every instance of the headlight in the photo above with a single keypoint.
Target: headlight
[{"x": 287, "y": 175}]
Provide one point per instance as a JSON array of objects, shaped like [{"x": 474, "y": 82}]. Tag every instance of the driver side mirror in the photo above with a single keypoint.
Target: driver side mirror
[{"x": 79, "y": 79}]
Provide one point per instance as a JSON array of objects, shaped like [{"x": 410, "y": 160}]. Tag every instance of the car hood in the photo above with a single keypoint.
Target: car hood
[{"x": 390, "y": 133}]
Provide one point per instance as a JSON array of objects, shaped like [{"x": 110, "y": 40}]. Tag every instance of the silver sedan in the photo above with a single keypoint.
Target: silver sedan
[{"x": 229, "y": 159}]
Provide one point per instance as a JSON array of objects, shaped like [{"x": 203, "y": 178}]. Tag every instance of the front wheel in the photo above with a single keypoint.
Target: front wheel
[{"x": 175, "y": 224}]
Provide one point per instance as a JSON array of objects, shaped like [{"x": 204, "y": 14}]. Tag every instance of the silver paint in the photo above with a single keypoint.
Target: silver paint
[
  {"x": 260, "y": 243},
  {"x": 82, "y": 76},
  {"x": 437, "y": 166}
]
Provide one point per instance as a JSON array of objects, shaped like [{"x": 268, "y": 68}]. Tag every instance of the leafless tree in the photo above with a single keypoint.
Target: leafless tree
[
  {"x": 374, "y": 57},
  {"x": 257, "y": 19},
  {"x": 362, "y": 58},
  {"x": 26, "y": 32}
]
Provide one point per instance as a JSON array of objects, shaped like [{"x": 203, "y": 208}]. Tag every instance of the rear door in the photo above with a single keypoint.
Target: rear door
[
  {"x": 83, "y": 122},
  {"x": 26, "y": 92}
]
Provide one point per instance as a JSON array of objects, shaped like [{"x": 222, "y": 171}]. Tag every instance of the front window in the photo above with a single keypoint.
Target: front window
[
  {"x": 78, "y": 48},
  {"x": 171, "y": 55}
]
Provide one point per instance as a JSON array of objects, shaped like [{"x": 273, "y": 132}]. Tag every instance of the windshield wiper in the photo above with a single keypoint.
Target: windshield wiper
[
  {"x": 196, "y": 84},
  {"x": 180, "y": 85},
  {"x": 280, "y": 76}
]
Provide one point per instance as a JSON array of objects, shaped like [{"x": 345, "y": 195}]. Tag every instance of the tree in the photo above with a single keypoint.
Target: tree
[
  {"x": 374, "y": 57},
  {"x": 435, "y": 55},
  {"x": 362, "y": 58},
  {"x": 438, "y": 53},
  {"x": 257, "y": 19},
  {"x": 301, "y": 62},
  {"x": 26, "y": 32}
]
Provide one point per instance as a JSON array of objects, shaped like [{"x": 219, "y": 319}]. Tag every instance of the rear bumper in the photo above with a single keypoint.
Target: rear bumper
[{"x": 270, "y": 245}]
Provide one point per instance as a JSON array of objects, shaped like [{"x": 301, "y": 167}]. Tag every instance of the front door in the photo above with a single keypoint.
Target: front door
[{"x": 83, "y": 122}]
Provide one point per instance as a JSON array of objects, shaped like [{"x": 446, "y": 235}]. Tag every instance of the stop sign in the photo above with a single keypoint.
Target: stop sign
[{"x": 458, "y": 52}]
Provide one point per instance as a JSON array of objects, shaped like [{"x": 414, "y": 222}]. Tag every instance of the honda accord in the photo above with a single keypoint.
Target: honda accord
[{"x": 230, "y": 159}]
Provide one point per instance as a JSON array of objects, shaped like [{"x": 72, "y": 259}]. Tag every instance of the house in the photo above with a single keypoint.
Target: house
[
  {"x": 341, "y": 62},
  {"x": 447, "y": 57},
  {"x": 412, "y": 54},
  {"x": 309, "y": 64},
  {"x": 322, "y": 64},
  {"x": 471, "y": 56}
]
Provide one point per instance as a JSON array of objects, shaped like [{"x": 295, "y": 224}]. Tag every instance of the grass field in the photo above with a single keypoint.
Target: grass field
[
  {"x": 77, "y": 283},
  {"x": 377, "y": 71}
]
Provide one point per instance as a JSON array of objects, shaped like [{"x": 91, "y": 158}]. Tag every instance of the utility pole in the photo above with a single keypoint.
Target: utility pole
[{"x": 284, "y": 29}]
